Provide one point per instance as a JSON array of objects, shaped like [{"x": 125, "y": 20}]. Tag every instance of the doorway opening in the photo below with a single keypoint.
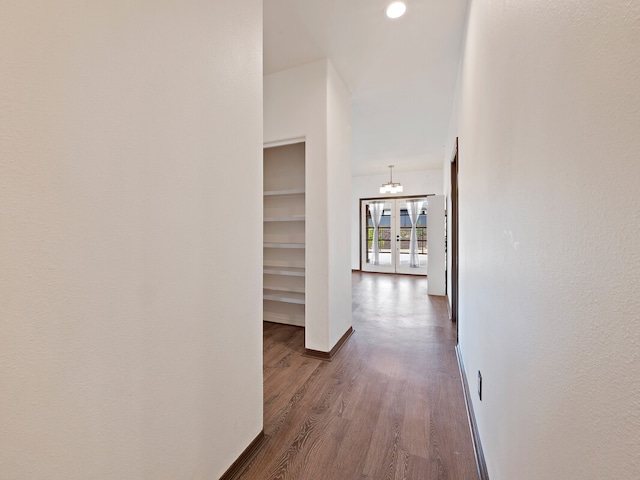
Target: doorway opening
[
  {"x": 454, "y": 236},
  {"x": 393, "y": 235}
]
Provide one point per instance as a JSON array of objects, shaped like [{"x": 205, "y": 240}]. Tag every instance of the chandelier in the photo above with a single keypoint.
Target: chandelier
[{"x": 391, "y": 187}]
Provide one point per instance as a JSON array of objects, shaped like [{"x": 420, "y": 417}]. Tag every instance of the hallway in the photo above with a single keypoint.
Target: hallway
[{"x": 389, "y": 406}]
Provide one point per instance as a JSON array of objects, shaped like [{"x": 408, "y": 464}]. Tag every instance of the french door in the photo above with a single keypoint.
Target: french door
[{"x": 394, "y": 235}]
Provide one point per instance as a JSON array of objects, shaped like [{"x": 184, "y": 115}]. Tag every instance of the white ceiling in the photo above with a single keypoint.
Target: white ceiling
[{"x": 401, "y": 73}]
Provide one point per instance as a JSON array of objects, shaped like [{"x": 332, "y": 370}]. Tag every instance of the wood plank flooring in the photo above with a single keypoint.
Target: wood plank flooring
[{"x": 389, "y": 406}]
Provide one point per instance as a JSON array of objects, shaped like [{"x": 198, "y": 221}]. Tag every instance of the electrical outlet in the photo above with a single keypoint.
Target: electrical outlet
[{"x": 479, "y": 385}]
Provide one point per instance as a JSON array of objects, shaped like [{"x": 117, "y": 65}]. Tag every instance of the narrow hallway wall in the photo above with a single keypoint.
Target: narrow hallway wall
[
  {"x": 130, "y": 149},
  {"x": 548, "y": 120}
]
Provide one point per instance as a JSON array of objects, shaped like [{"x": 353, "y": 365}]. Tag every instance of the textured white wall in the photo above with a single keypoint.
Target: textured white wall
[
  {"x": 423, "y": 182},
  {"x": 437, "y": 259},
  {"x": 549, "y": 116},
  {"x": 338, "y": 196},
  {"x": 296, "y": 104},
  {"x": 446, "y": 167},
  {"x": 131, "y": 327}
]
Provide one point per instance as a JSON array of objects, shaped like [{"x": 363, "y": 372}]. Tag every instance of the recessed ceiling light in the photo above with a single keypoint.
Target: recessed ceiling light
[{"x": 396, "y": 10}]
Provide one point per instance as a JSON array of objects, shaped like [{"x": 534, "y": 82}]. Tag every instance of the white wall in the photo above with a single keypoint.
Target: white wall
[
  {"x": 549, "y": 116},
  {"x": 338, "y": 195},
  {"x": 423, "y": 182},
  {"x": 449, "y": 150},
  {"x": 308, "y": 101},
  {"x": 437, "y": 259},
  {"x": 131, "y": 328}
]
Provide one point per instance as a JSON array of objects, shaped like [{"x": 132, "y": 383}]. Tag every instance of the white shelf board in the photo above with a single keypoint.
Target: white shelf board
[
  {"x": 284, "y": 245},
  {"x": 296, "y": 320},
  {"x": 269, "y": 193},
  {"x": 291, "y": 218},
  {"x": 289, "y": 271},
  {"x": 282, "y": 296}
]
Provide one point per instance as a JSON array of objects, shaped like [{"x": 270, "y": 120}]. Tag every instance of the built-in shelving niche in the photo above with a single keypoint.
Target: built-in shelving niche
[{"x": 284, "y": 234}]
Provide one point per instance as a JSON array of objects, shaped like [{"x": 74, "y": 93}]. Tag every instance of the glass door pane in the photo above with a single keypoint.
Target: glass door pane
[
  {"x": 411, "y": 236},
  {"x": 378, "y": 240}
]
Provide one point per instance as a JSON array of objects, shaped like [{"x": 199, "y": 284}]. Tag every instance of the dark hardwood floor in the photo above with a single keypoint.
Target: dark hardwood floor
[{"x": 389, "y": 406}]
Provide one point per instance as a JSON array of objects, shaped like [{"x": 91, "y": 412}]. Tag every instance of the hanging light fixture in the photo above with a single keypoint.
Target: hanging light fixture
[{"x": 391, "y": 187}]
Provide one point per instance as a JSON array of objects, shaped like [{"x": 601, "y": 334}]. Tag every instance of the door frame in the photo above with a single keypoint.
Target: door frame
[
  {"x": 369, "y": 199},
  {"x": 455, "y": 247},
  {"x": 391, "y": 268}
]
